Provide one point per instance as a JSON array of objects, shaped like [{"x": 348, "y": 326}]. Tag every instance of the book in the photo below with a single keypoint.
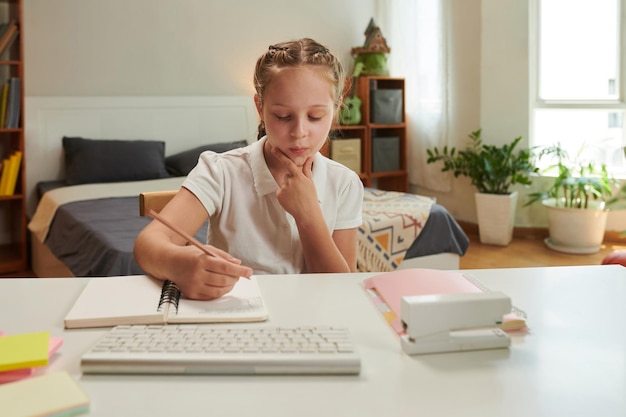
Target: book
[
  {"x": 54, "y": 394},
  {"x": 141, "y": 299},
  {"x": 3, "y": 104},
  {"x": 5, "y": 53},
  {"x": 8, "y": 35},
  {"x": 24, "y": 350},
  {"x": 54, "y": 343},
  {"x": 13, "y": 103},
  {"x": 14, "y": 170},
  {"x": 5, "y": 175},
  {"x": 387, "y": 290}
]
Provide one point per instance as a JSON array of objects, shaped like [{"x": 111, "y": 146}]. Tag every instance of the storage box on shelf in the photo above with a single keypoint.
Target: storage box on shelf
[
  {"x": 13, "y": 248},
  {"x": 348, "y": 152},
  {"x": 344, "y": 152},
  {"x": 382, "y": 132}
]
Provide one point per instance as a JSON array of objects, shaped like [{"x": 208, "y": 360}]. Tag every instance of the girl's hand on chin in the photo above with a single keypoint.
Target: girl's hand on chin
[{"x": 297, "y": 194}]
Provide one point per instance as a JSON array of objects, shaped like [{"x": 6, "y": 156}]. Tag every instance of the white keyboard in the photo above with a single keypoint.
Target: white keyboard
[{"x": 219, "y": 349}]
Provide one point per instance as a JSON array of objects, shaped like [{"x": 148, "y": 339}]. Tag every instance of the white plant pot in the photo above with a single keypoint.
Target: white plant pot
[
  {"x": 576, "y": 231},
  {"x": 496, "y": 217}
]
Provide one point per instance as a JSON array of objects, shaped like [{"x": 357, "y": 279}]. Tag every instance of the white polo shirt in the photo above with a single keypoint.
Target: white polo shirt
[{"x": 246, "y": 220}]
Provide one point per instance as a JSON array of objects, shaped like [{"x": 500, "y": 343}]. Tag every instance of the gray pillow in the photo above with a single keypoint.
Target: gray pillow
[
  {"x": 108, "y": 160},
  {"x": 180, "y": 164}
]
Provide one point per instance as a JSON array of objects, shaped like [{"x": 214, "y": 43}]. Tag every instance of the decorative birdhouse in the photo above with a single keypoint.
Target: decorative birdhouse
[{"x": 373, "y": 53}]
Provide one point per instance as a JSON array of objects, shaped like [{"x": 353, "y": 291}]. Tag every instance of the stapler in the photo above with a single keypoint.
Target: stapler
[{"x": 454, "y": 322}]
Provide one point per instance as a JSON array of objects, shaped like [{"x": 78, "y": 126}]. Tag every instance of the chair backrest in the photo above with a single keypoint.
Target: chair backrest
[{"x": 154, "y": 200}]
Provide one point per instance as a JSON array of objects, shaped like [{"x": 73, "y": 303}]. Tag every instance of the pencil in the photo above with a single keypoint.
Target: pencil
[{"x": 184, "y": 234}]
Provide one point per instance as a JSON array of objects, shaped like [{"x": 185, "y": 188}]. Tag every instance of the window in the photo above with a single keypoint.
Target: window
[{"x": 577, "y": 73}]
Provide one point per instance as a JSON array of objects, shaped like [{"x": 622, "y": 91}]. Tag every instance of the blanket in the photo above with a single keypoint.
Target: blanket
[
  {"x": 53, "y": 199},
  {"x": 391, "y": 223}
]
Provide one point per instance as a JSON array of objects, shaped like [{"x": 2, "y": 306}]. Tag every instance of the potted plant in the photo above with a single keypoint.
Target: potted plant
[
  {"x": 577, "y": 200},
  {"x": 493, "y": 170}
]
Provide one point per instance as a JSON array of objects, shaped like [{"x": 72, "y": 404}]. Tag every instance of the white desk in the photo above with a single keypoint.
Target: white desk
[{"x": 572, "y": 364}]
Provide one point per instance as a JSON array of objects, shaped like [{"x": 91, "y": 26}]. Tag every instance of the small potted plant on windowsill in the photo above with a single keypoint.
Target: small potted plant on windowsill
[
  {"x": 493, "y": 170},
  {"x": 577, "y": 200}
]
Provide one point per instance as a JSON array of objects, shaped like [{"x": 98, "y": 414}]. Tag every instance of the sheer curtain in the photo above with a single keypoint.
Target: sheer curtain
[{"x": 417, "y": 32}]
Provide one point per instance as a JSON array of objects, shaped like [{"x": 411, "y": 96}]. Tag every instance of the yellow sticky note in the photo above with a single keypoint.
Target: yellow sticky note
[
  {"x": 24, "y": 350},
  {"x": 52, "y": 394}
]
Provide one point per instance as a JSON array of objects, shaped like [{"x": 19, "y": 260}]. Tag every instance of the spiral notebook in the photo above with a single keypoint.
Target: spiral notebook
[
  {"x": 140, "y": 299},
  {"x": 387, "y": 290}
]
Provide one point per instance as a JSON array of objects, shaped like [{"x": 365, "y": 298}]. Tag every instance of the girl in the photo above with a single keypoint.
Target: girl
[{"x": 276, "y": 206}]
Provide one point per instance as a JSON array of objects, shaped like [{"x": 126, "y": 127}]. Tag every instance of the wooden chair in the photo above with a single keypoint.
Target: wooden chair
[{"x": 154, "y": 200}]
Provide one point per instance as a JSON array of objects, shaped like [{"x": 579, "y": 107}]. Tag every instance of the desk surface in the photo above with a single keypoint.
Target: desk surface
[{"x": 573, "y": 363}]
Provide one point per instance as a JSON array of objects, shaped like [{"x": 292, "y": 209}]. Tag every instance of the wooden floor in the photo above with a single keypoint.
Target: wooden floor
[{"x": 522, "y": 252}]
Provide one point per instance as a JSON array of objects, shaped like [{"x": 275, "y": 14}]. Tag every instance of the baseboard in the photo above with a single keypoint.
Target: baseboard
[{"x": 538, "y": 232}]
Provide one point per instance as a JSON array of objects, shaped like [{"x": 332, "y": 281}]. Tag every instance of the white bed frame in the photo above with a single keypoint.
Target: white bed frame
[{"x": 181, "y": 122}]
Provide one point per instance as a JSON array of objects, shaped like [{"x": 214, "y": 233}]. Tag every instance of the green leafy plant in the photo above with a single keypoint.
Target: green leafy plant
[
  {"x": 491, "y": 169},
  {"x": 577, "y": 181}
]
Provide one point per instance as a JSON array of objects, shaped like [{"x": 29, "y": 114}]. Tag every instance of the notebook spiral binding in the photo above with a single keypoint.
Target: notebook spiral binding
[
  {"x": 170, "y": 294},
  {"x": 517, "y": 311}
]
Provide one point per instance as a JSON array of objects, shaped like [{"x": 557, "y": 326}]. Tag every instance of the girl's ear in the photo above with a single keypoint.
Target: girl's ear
[{"x": 259, "y": 105}]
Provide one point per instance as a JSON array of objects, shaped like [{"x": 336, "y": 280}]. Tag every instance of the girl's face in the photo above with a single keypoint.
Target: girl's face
[{"x": 298, "y": 111}]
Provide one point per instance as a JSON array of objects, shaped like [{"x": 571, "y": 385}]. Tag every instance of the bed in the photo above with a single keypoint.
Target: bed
[{"x": 84, "y": 218}]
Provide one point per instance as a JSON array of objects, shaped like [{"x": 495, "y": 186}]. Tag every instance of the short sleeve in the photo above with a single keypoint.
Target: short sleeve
[{"x": 350, "y": 207}]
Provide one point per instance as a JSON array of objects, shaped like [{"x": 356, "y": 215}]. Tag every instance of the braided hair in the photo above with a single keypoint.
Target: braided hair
[{"x": 296, "y": 53}]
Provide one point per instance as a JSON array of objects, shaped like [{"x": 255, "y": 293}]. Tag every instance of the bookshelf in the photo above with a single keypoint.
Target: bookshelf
[
  {"x": 383, "y": 150},
  {"x": 13, "y": 244}
]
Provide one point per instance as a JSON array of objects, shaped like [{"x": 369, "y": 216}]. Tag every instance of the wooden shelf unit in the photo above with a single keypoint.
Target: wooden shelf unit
[
  {"x": 13, "y": 235},
  {"x": 396, "y": 180}
]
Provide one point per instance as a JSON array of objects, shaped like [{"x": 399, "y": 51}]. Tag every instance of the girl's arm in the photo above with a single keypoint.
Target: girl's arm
[
  {"x": 162, "y": 253},
  {"x": 324, "y": 252}
]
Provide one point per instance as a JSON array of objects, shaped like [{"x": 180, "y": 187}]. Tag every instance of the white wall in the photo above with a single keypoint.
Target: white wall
[
  {"x": 172, "y": 47},
  {"x": 488, "y": 89},
  {"x": 504, "y": 96},
  {"x": 465, "y": 89}
]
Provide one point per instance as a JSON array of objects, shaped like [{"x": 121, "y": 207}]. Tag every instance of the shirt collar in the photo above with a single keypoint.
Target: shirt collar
[{"x": 264, "y": 182}]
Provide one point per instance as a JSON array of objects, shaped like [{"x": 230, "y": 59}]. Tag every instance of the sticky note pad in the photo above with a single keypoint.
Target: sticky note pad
[
  {"x": 55, "y": 394},
  {"x": 16, "y": 374},
  {"x": 24, "y": 350}
]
